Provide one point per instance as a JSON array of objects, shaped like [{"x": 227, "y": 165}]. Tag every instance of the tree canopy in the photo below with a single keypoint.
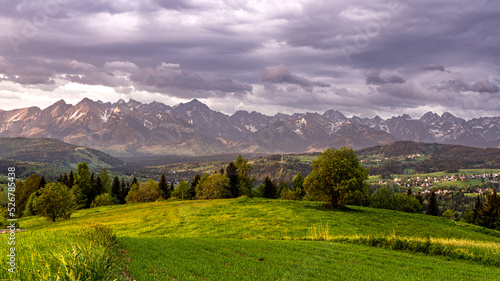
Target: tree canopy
[{"x": 337, "y": 177}]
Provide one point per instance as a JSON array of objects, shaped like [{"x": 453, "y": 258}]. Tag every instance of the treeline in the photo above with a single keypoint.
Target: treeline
[
  {"x": 485, "y": 214},
  {"x": 486, "y": 211}
]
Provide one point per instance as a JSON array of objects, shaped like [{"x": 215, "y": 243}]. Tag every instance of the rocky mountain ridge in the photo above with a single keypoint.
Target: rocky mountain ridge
[{"x": 192, "y": 128}]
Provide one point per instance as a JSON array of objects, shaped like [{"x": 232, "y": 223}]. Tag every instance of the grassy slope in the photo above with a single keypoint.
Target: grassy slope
[{"x": 209, "y": 239}]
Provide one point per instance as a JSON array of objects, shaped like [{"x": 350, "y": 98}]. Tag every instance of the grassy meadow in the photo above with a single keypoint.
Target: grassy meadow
[{"x": 261, "y": 239}]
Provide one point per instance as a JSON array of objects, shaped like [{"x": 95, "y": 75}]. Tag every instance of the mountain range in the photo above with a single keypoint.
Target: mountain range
[{"x": 192, "y": 128}]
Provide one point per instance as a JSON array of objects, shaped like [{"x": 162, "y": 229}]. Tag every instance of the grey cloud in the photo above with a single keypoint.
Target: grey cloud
[
  {"x": 165, "y": 79},
  {"x": 374, "y": 78},
  {"x": 459, "y": 84},
  {"x": 99, "y": 78},
  {"x": 280, "y": 74},
  {"x": 484, "y": 86},
  {"x": 432, "y": 67}
]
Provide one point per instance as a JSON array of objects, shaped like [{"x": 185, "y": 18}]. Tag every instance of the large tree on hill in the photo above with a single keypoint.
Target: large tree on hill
[
  {"x": 337, "y": 176},
  {"x": 433, "y": 207}
]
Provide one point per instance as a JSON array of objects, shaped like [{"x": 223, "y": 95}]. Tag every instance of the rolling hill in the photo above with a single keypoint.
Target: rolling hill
[
  {"x": 53, "y": 152},
  {"x": 261, "y": 239}
]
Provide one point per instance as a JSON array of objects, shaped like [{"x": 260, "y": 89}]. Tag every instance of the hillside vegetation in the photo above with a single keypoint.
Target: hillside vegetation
[
  {"x": 261, "y": 239},
  {"x": 54, "y": 152}
]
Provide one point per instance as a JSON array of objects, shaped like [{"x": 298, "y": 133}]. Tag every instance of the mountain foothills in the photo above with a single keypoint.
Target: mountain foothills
[{"x": 134, "y": 128}]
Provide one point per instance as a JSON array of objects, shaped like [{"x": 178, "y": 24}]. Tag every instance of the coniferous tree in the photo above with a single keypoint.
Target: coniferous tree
[
  {"x": 270, "y": 188},
  {"x": 116, "y": 188},
  {"x": 420, "y": 198},
  {"x": 164, "y": 187},
  {"x": 194, "y": 183},
  {"x": 478, "y": 211},
  {"x": 232, "y": 175},
  {"x": 60, "y": 178},
  {"x": 491, "y": 210},
  {"x": 71, "y": 179},
  {"x": 171, "y": 186},
  {"x": 42, "y": 182},
  {"x": 433, "y": 208},
  {"x": 409, "y": 192}
]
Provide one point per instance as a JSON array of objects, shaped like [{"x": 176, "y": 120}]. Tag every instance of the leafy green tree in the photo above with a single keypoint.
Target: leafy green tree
[
  {"x": 182, "y": 190},
  {"x": 55, "y": 202},
  {"x": 433, "y": 207},
  {"x": 298, "y": 185},
  {"x": 283, "y": 188},
  {"x": 448, "y": 214},
  {"x": 270, "y": 188},
  {"x": 23, "y": 192},
  {"x": 104, "y": 199},
  {"x": 336, "y": 175},
  {"x": 298, "y": 182},
  {"x": 245, "y": 182},
  {"x": 408, "y": 204},
  {"x": 134, "y": 195},
  {"x": 144, "y": 192},
  {"x": 383, "y": 198},
  {"x": 84, "y": 182},
  {"x": 232, "y": 175},
  {"x": 215, "y": 186},
  {"x": 105, "y": 180},
  {"x": 29, "y": 210},
  {"x": 164, "y": 187},
  {"x": 79, "y": 197},
  {"x": 468, "y": 216}
]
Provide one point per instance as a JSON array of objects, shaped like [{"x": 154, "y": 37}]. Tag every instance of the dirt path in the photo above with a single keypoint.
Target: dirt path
[{"x": 8, "y": 230}]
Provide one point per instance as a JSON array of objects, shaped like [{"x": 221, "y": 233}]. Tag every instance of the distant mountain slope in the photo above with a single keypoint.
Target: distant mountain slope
[
  {"x": 54, "y": 152},
  {"x": 434, "y": 157},
  {"x": 192, "y": 128}
]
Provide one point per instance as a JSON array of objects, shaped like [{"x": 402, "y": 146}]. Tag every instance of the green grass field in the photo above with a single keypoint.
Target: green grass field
[{"x": 260, "y": 239}]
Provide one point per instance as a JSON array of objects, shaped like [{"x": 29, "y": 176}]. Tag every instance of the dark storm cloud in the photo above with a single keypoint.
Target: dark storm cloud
[
  {"x": 280, "y": 74},
  {"x": 175, "y": 81},
  {"x": 223, "y": 46},
  {"x": 460, "y": 85},
  {"x": 432, "y": 67},
  {"x": 374, "y": 78}
]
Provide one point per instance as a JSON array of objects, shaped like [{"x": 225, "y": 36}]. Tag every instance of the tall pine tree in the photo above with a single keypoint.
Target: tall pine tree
[
  {"x": 433, "y": 208},
  {"x": 164, "y": 187},
  {"x": 232, "y": 175}
]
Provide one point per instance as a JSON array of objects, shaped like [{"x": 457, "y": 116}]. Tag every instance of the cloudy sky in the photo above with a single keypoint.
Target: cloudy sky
[{"x": 360, "y": 57}]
